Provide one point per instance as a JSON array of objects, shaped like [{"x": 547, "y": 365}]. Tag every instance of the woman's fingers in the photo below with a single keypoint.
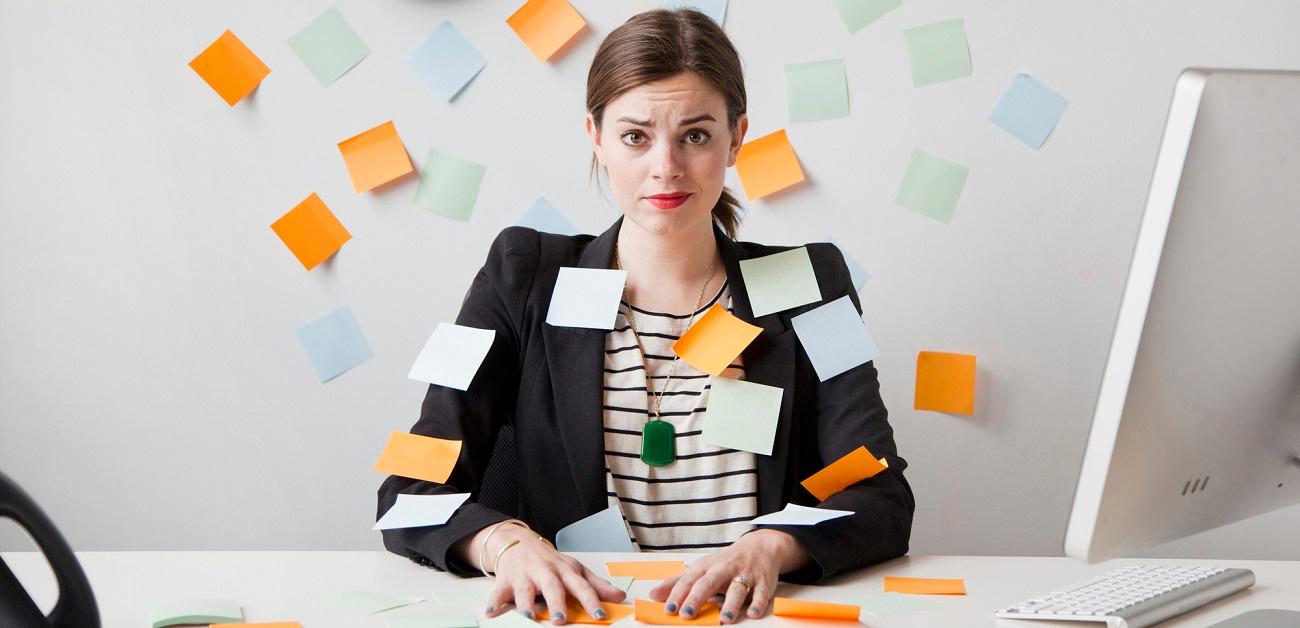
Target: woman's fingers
[
  {"x": 661, "y": 590},
  {"x": 525, "y": 595},
  {"x": 553, "y": 592},
  {"x": 679, "y": 590},
  {"x": 764, "y": 588},
  {"x": 498, "y": 599},
  {"x": 584, "y": 593},
  {"x": 734, "y": 602},
  {"x": 704, "y": 587},
  {"x": 605, "y": 590}
]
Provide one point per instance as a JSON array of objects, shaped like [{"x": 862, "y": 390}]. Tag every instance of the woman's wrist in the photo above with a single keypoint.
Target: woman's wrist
[
  {"x": 482, "y": 547},
  {"x": 781, "y": 544}
]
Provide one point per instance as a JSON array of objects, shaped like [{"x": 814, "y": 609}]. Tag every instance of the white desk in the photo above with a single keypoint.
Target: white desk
[{"x": 281, "y": 585}]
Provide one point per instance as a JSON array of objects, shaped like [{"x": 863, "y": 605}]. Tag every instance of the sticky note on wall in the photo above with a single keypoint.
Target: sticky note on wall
[
  {"x": 938, "y": 52},
  {"x": 945, "y": 382},
  {"x": 767, "y": 165},
  {"x": 931, "y": 186},
  {"x": 328, "y": 47},
  {"x": 230, "y": 68},
  {"x": 375, "y": 157},
  {"x": 546, "y": 26},
  {"x": 311, "y": 231}
]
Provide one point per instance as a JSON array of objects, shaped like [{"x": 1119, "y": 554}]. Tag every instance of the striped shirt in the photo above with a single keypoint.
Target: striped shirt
[{"x": 706, "y": 498}]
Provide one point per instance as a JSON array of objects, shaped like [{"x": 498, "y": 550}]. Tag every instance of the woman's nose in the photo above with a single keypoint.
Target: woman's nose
[{"x": 667, "y": 164}]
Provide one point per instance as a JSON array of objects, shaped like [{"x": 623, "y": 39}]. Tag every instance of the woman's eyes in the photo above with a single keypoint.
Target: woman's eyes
[{"x": 697, "y": 137}]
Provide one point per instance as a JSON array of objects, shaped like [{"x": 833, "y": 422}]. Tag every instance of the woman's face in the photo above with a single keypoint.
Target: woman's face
[{"x": 667, "y": 146}]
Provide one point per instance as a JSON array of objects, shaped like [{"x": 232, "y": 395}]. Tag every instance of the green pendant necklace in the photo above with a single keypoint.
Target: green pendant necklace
[{"x": 658, "y": 437}]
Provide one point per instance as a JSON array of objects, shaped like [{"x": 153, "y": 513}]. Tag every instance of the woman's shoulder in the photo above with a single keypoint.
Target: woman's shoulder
[{"x": 535, "y": 248}]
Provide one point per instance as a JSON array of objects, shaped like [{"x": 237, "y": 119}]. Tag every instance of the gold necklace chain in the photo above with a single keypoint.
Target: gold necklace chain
[{"x": 659, "y": 400}]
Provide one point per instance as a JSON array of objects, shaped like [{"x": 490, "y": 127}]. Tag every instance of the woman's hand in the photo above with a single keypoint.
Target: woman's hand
[
  {"x": 533, "y": 566},
  {"x": 760, "y": 556}
]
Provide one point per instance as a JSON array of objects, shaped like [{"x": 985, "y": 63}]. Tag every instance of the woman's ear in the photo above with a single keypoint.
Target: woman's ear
[
  {"x": 594, "y": 133},
  {"x": 737, "y": 138}
]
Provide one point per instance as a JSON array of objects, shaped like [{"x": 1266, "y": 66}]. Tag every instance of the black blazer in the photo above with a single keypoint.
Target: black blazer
[{"x": 546, "y": 382}]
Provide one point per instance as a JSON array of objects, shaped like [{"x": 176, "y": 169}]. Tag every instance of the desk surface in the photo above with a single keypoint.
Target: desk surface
[{"x": 282, "y": 585}]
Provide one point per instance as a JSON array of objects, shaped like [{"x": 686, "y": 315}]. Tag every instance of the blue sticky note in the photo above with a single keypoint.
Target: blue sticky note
[
  {"x": 544, "y": 217},
  {"x": 1029, "y": 110},
  {"x": 716, "y": 9},
  {"x": 334, "y": 343},
  {"x": 856, "y": 271},
  {"x": 446, "y": 61},
  {"x": 835, "y": 338},
  {"x": 601, "y": 532}
]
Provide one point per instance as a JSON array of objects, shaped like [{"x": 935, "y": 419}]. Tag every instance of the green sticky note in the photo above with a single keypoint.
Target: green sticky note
[
  {"x": 931, "y": 186},
  {"x": 622, "y": 582},
  {"x": 328, "y": 47},
  {"x": 441, "y": 618},
  {"x": 449, "y": 185},
  {"x": 509, "y": 619},
  {"x": 201, "y": 611},
  {"x": 364, "y": 602},
  {"x": 742, "y": 415},
  {"x": 816, "y": 90},
  {"x": 780, "y": 281},
  {"x": 938, "y": 52},
  {"x": 859, "y": 13},
  {"x": 886, "y": 604}
]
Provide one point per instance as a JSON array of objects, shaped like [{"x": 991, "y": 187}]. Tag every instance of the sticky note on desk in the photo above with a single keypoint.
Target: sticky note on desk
[
  {"x": 328, "y": 47},
  {"x": 853, "y": 467},
  {"x": 1029, "y": 110},
  {"x": 796, "y": 515},
  {"x": 452, "y": 355},
  {"x": 925, "y": 586},
  {"x": 938, "y": 52},
  {"x": 449, "y": 185},
  {"x": 859, "y": 13},
  {"x": 767, "y": 165},
  {"x": 230, "y": 68},
  {"x": 945, "y": 382},
  {"x": 742, "y": 415},
  {"x": 931, "y": 186},
  {"x": 586, "y": 297},
  {"x": 544, "y": 217},
  {"x": 576, "y": 614},
  {"x": 334, "y": 343},
  {"x": 196, "y": 611},
  {"x": 601, "y": 532},
  {"x": 364, "y": 602},
  {"x": 714, "y": 340},
  {"x": 545, "y": 26},
  {"x": 417, "y": 511},
  {"x": 446, "y": 61},
  {"x": 715, "y": 9},
  {"x": 375, "y": 157},
  {"x": 809, "y": 609},
  {"x": 816, "y": 90},
  {"x": 651, "y": 612},
  {"x": 646, "y": 569},
  {"x": 311, "y": 231},
  {"x": 780, "y": 281},
  {"x": 835, "y": 338},
  {"x": 419, "y": 457}
]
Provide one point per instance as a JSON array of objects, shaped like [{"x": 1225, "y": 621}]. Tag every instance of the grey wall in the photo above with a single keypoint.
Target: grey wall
[{"x": 153, "y": 394}]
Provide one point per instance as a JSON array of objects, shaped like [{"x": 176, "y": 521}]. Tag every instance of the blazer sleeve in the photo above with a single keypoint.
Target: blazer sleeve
[
  {"x": 495, "y": 301},
  {"x": 850, "y": 413}
]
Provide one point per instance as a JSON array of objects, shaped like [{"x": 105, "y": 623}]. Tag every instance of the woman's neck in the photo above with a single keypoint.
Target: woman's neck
[{"x": 666, "y": 272}]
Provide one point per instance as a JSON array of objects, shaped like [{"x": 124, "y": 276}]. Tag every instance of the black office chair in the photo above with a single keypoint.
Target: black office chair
[{"x": 76, "y": 606}]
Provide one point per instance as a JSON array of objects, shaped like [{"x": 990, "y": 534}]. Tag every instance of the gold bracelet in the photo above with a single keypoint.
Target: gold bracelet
[
  {"x": 482, "y": 550},
  {"x": 497, "y": 560}
]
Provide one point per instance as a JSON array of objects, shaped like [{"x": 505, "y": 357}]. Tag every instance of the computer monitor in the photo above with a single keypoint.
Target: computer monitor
[{"x": 1197, "y": 423}]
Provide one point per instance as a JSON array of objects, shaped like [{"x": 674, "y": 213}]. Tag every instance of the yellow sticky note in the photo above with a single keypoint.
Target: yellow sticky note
[
  {"x": 853, "y": 467},
  {"x": 574, "y": 613},
  {"x": 651, "y": 612},
  {"x": 789, "y": 607},
  {"x": 546, "y": 25},
  {"x": 419, "y": 457},
  {"x": 375, "y": 157},
  {"x": 768, "y": 164},
  {"x": 715, "y": 340},
  {"x": 230, "y": 68},
  {"x": 945, "y": 382},
  {"x": 311, "y": 231},
  {"x": 647, "y": 569},
  {"x": 925, "y": 586}
]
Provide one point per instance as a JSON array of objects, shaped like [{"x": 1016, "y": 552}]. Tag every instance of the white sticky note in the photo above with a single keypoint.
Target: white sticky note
[
  {"x": 835, "y": 338},
  {"x": 780, "y": 281},
  {"x": 414, "y": 511},
  {"x": 586, "y": 297},
  {"x": 452, "y": 355},
  {"x": 796, "y": 515},
  {"x": 601, "y": 532},
  {"x": 742, "y": 415}
]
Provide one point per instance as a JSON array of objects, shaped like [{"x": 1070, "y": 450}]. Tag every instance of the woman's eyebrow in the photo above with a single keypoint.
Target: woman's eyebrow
[{"x": 690, "y": 120}]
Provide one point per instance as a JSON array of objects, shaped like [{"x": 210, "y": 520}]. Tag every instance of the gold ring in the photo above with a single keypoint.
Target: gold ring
[{"x": 740, "y": 580}]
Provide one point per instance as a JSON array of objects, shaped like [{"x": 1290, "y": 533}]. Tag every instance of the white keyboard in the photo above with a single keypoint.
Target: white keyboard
[{"x": 1135, "y": 596}]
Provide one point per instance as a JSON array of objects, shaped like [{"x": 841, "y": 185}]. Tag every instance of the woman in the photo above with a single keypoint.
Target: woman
[{"x": 666, "y": 116}]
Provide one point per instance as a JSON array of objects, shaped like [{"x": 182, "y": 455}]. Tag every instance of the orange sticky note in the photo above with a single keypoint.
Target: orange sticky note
[
  {"x": 715, "y": 340},
  {"x": 647, "y": 569},
  {"x": 419, "y": 457},
  {"x": 574, "y": 613},
  {"x": 311, "y": 231},
  {"x": 768, "y": 164},
  {"x": 853, "y": 467},
  {"x": 925, "y": 586},
  {"x": 788, "y": 607},
  {"x": 230, "y": 68},
  {"x": 945, "y": 382},
  {"x": 651, "y": 612},
  {"x": 265, "y": 624},
  {"x": 546, "y": 25},
  {"x": 375, "y": 157}
]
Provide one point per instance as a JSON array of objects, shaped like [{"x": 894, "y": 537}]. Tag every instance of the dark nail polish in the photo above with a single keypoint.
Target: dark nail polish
[
  {"x": 727, "y": 615},
  {"x": 490, "y": 607},
  {"x": 560, "y": 616},
  {"x": 672, "y": 608},
  {"x": 526, "y": 613},
  {"x": 600, "y": 613},
  {"x": 688, "y": 611}
]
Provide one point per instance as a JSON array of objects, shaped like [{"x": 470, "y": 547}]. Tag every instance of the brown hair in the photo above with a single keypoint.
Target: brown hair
[{"x": 660, "y": 44}]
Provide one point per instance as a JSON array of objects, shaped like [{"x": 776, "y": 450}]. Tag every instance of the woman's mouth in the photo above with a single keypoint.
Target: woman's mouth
[{"x": 668, "y": 201}]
